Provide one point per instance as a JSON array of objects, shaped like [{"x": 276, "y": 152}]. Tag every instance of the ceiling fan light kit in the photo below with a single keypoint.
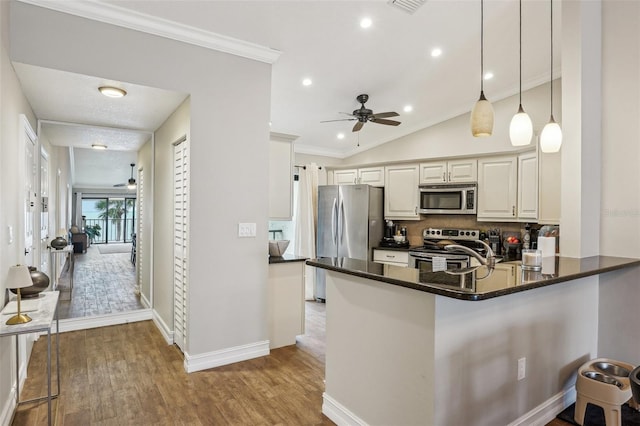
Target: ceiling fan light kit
[
  {"x": 482, "y": 113},
  {"x": 363, "y": 115},
  {"x": 521, "y": 127},
  {"x": 551, "y": 136},
  {"x": 131, "y": 183}
]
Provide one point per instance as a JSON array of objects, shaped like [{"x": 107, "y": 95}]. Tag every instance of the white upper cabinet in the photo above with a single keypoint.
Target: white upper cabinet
[
  {"x": 528, "y": 186},
  {"x": 373, "y": 176},
  {"x": 281, "y": 176},
  {"x": 345, "y": 177},
  {"x": 401, "y": 192},
  {"x": 497, "y": 188},
  {"x": 449, "y": 171}
]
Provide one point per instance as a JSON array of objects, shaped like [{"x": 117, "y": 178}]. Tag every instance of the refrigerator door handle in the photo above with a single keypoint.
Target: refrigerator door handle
[
  {"x": 341, "y": 221},
  {"x": 334, "y": 219}
]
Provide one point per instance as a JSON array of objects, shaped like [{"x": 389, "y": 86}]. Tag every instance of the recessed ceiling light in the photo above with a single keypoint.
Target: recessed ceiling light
[
  {"x": 340, "y": 135},
  {"x": 407, "y": 108},
  {"x": 436, "y": 52},
  {"x": 488, "y": 75},
  {"x": 307, "y": 82},
  {"x": 366, "y": 22},
  {"x": 112, "y": 92},
  {"x": 98, "y": 146}
]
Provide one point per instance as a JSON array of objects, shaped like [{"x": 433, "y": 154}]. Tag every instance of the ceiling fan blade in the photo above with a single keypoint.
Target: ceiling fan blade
[
  {"x": 387, "y": 122},
  {"x": 358, "y": 126},
  {"x": 342, "y": 119},
  {"x": 385, "y": 114},
  {"x": 119, "y": 184}
]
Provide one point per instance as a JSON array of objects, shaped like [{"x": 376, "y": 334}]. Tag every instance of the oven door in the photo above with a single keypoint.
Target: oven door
[{"x": 424, "y": 263}]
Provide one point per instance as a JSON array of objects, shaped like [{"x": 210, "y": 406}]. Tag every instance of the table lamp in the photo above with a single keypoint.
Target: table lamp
[{"x": 19, "y": 277}]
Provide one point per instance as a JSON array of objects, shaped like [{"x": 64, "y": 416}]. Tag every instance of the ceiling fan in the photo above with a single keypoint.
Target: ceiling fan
[
  {"x": 363, "y": 115},
  {"x": 131, "y": 183}
]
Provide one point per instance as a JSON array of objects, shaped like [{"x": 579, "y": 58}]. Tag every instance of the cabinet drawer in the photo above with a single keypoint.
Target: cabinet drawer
[{"x": 391, "y": 257}]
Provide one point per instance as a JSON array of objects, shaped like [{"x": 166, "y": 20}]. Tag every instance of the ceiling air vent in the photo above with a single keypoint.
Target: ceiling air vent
[{"x": 409, "y": 6}]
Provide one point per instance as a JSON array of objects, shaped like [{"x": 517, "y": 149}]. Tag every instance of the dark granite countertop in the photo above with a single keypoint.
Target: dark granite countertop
[
  {"x": 564, "y": 269},
  {"x": 286, "y": 258}
]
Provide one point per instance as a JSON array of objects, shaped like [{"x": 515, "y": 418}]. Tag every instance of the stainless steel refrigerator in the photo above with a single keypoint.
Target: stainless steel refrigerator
[{"x": 350, "y": 224}]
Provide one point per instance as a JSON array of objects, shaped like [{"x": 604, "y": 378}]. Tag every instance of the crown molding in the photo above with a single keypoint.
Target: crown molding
[{"x": 127, "y": 18}]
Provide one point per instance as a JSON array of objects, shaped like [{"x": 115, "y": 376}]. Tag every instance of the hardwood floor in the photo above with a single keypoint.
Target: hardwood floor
[{"x": 128, "y": 375}]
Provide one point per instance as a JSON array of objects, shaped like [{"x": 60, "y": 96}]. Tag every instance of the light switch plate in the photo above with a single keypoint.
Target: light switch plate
[{"x": 246, "y": 230}]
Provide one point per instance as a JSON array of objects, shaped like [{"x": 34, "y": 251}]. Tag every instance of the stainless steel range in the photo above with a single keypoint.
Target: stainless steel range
[{"x": 432, "y": 259}]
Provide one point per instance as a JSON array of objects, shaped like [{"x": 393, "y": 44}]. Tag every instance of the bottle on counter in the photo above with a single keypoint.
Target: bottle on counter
[{"x": 526, "y": 237}]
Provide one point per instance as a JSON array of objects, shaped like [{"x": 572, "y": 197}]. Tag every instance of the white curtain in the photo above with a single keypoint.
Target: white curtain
[{"x": 306, "y": 221}]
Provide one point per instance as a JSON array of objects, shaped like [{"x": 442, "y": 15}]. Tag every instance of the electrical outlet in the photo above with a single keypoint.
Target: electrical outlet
[{"x": 522, "y": 368}]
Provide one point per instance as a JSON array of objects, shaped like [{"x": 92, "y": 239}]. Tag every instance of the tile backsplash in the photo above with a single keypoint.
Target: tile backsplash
[{"x": 414, "y": 228}]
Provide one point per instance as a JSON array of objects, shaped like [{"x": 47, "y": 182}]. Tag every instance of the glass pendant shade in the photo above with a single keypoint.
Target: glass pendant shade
[
  {"x": 551, "y": 137},
  {"x": 482, "y": 118},
  {"x": 521, "y": 128}
]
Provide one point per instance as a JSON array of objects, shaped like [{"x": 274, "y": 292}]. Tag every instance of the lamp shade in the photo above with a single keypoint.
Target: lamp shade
[
  {"x": 551, "y": 137},
  {"x": 482, "y": 117},
  {"x": 521, "y": 128},
  {"x": 19, "y": 277}
]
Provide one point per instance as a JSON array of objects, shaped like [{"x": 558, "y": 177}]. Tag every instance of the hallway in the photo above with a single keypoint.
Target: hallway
[{"x": 103, "y": 283}]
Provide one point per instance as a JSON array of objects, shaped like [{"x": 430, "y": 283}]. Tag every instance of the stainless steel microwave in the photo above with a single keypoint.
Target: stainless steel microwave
[{"x": 448, "y": 198}]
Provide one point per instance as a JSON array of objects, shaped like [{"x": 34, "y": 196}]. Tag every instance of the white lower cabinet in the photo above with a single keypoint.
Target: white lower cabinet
[
  {"x": 401, "y": 192},
  {"x": 502, "y": 273},
  {"x": 286, "y": 303},
  {"x": 391, "y": 257}
]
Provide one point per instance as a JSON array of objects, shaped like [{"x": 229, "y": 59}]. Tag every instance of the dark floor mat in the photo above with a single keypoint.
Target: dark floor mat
[{"x": 595, "y": 416}]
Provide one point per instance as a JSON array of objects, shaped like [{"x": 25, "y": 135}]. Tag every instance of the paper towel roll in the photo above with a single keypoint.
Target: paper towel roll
[
  {"x": 547, "y": 245},
  {"x": 549, "y": 265}
]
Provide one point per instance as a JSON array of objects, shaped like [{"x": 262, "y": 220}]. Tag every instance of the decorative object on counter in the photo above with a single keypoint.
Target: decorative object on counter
[
  {"x": 60, "y": 241},
  {"x": 526, "y": 237},
  {"x": 551, "y": 136},
  {"x": 531, "y": 260},
  {"x": 494, "y": 240},
  {"x": 512, "y": 246},
  {"x": 482, "y": 112},
  {"x": 547, "y": 245},
  {"x": 278, "y": 247},
  {"x": 398, "y": 238},
  {"x": 40, "y": 282},
  {"x": 521, "y": 127},
  {"x": 18, "y": 278}
]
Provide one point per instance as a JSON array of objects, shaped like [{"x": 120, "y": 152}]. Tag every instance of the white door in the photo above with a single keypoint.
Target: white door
[
  {"x": 138, "y": 260},
  {"x": 180, "y": 235},
  {"x": 44, "y": 210},
  {"x": 30, "y": 194}
]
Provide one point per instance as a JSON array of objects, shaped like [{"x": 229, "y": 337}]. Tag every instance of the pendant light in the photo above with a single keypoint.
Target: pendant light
[
  {"x": 521, "y": 128},
  {"x": 551, "y": 136},
  {"x": 482, "y": 113}
]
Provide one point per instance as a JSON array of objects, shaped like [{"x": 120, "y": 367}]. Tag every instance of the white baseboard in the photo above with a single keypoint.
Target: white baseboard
[
  {"x": 84, "y": 323},
  {"x": 225, "y": 356},
  {"x": 338, "y": 413},
  {"x": 164, "y": 329},
  {"x": 145, "y": 301},
  {"x": 548, "y": 410}
]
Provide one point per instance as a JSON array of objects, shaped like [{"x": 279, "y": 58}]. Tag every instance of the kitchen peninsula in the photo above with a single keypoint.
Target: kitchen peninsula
[{"x": 403, "y": 352}]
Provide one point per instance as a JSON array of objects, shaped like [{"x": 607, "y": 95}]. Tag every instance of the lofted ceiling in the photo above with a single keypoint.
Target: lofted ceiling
[{"x": 322, "y": 40}]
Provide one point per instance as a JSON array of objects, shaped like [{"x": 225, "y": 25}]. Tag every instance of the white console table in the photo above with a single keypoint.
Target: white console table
[{"x": 41, "y": 322}]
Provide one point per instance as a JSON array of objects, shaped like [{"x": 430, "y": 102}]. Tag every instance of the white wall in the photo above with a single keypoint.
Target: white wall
[
  {"x": 227, "y": 300},
  {"x": 619, "y": 336}
]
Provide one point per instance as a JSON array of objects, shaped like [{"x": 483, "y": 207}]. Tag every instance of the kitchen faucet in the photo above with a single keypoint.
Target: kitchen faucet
[{"x": 489, "y": 260}]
